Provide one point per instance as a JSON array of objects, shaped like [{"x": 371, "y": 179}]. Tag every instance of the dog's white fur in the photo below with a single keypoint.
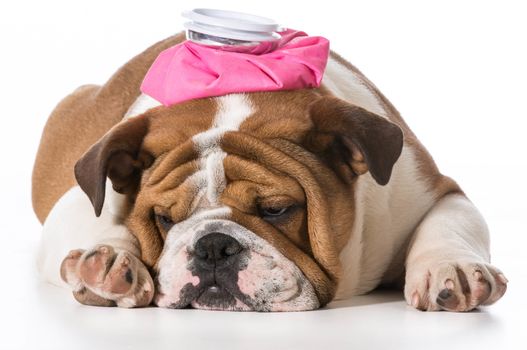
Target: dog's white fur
[
  {"x": 375, "y": 242},
  {"x": 406, "y": 203},
  {"x": 142, "y": 104},
  {"x": 345, "y": 84},
  {"x": 71, "y": 225},
  {"x": 400, "y": 204}
]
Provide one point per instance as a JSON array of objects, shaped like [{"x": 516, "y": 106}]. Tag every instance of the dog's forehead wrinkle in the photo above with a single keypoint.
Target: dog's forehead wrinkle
[
  {"x": 207, "y": 141},
  {"x": 215, "y": 176},
  {"x": 232, "y": 111}
]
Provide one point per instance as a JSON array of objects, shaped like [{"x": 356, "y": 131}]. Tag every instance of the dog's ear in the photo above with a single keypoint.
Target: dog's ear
[
  {"x": 353, "y": 140},
  {"x": 118, "y": 156}
]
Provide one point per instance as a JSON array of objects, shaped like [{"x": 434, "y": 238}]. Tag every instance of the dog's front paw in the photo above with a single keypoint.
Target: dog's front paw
[
  {"x": 104, "y": 277},
  {"x": 456, "y": 286}
]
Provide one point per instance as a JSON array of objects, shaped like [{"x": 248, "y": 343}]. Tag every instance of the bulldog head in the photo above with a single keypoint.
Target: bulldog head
[{"x": 243, "y": 202}]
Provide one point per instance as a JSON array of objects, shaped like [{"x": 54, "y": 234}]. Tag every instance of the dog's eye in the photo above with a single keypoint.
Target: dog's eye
[
  {"x": 273, "y": 211},
  {"x": 165, "y": 222}
]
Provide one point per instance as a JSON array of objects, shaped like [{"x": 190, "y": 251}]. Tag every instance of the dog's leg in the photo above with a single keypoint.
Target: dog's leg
[
  {"x": 96, "y": 257},
  {"x": 448, "y": 263}
]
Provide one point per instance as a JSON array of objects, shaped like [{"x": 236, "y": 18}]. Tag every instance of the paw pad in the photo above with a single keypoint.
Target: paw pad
[{"x": 104, "y": 277}]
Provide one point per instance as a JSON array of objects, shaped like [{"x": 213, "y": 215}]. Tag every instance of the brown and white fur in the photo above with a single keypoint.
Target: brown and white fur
[{"x": 183, "y": 174}]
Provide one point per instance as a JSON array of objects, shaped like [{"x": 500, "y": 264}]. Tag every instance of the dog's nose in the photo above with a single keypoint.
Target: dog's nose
[{"x": 215, "y": 247}]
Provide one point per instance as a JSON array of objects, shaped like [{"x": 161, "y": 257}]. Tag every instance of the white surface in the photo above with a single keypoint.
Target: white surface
[
  {"x": 457, "y": 72},
  {"x": 41, "y": 316}
]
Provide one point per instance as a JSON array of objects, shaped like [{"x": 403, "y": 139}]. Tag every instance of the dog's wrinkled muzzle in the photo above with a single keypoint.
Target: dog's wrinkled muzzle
[{"x": 220, "y": 265}]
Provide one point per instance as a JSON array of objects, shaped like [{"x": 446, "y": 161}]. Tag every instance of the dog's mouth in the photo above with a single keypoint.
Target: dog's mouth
[
  {"x": 216, "y": 297},
  {"x": 214, "y": 294}
]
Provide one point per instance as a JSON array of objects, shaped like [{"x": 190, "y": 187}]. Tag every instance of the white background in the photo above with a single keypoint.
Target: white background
[{"x": 457, "y": 72}]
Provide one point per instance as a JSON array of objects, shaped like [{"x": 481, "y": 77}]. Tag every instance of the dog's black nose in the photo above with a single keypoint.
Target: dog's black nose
[{"x": 215, "y": 247}]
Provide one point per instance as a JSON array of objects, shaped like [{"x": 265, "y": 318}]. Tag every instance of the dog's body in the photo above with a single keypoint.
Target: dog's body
[{"x": 418, "y": 229}]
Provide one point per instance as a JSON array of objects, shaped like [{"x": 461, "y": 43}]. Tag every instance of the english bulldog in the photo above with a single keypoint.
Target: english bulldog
[{"x": 263, "y": 201}]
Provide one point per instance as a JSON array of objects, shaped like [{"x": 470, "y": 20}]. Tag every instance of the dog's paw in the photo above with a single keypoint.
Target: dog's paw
[
  {"x": 104, "y": 277},
  {"x": 456, "y": 286}
]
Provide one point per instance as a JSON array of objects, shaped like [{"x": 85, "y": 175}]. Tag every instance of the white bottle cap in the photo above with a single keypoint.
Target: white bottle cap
[{"x": 218, "y": 27}]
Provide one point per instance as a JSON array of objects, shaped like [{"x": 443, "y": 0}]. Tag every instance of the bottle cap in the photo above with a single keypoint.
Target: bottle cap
[{"x": 219, "y": 28}]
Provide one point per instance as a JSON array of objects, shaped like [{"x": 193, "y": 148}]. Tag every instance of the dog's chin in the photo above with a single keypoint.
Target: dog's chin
[
  {"x": 218, "y": 298},
  {"x": 224, "y": 298},
  {"x": 211, "y": 297}
]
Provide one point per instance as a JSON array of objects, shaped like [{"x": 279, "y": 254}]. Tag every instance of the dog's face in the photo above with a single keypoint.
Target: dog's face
[{"x": 243, "y": 202}]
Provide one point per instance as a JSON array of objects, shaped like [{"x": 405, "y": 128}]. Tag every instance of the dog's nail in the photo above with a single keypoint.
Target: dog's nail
[
  {"x": 103, "y": 249},
  {"x": 415, "y": 300},
  {"x": 126, "y": 261},
  {"x": 147, "y": 287},
  {"x": 449, "y": 284},
  {"x": 447, "y": 299},
  {"x": 478, "y": 275},
  {"x": 445, "y": 294},
  {"x": 502, "y": 278},
  {"x": 73, "y": 254}
]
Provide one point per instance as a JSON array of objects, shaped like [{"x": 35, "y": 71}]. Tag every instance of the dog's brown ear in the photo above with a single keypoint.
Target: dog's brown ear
[
  {"x": 118, "y": 156},
  {"x": 353, "y": 140}
]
